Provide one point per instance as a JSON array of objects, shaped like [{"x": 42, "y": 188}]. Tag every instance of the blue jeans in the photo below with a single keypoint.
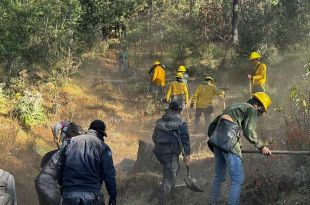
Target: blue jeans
[
  {"x": 81, "y": 198},
  {"x": 227, "y": 161}
]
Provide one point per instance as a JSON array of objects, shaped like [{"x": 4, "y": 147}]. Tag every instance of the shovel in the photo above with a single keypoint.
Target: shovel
[{"x": 190, "y": 183}]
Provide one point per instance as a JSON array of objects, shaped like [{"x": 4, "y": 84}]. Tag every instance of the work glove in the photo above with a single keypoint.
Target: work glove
[
  {"x": 112, "y": 202},
  {"x": 192, "y": 105}
]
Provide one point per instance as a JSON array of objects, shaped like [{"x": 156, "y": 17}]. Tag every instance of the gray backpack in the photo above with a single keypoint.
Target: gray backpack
[{"x": 5, "y": 197}]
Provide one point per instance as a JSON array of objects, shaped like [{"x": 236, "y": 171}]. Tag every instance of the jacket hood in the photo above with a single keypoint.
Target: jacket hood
[{"x": 171, "y": 120}]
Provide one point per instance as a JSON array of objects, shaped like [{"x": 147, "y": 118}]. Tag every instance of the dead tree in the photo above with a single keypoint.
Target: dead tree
[
  {"x": 235, "y": 22},
  {"x": 146, "y": 160}
]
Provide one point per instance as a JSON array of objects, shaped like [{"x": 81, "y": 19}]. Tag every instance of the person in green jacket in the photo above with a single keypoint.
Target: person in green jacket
[{"x": 224, "y": 141}]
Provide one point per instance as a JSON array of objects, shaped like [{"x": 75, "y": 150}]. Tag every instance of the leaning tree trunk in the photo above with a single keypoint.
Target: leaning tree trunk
[
  {"x": 146, "y": 160},
  {"x": 235, "y": 22}
]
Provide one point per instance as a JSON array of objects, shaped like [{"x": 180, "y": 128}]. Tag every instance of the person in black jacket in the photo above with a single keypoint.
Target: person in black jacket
[
  {"x": 46, "y": 182},
  {"x": 85, "y": 164},
  {"x": 167, "y": 148}
]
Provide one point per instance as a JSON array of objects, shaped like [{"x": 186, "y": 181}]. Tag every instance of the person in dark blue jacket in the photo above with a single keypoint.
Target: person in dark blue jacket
[
  {"x": 86, "y": 163},
  {"x": 46, "y": 182},
  {"x": 167, "y": 149}
]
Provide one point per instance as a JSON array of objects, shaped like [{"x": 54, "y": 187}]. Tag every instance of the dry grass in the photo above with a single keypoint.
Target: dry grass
[
  {"x": 122, "y": 146},
  {"x": 8, "y": 134}
]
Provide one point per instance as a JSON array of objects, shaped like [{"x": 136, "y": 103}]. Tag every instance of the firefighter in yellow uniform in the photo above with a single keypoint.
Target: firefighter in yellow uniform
[
  {"x": 178, "y": 90},
  {"x": 203, "y": 98},
  {"x": 258, "y": 75},
  {"x": 182, "y": 69},
  {"x": 158, "y": 78}
]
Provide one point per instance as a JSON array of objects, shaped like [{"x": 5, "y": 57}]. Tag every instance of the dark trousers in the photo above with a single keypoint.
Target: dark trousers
[
  {"x": 258, "y": 88},
  {"x": 180, "y": 99},
  {"x": 157, "y": 91},
  {"x": 207, "y": 114},
  {"x": 81, "y": 198},
  {"x": 170, "y": 171},
  {"x": 47, "y": 190}
]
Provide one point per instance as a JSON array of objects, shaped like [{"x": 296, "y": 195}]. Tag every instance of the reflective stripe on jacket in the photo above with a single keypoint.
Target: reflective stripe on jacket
[
  {"x": 204, "y": 95},
  {"x": 177, "y": 88},
  {"x": 159, "y": 76}
]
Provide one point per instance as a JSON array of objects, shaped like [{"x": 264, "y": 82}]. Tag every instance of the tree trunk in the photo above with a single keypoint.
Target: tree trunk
[
  {"x": 235, "y": 22},
  {"x": 146, "y": 160},
  {"x": 9, "y": 66},
  {"x": 191, "y": 6}
]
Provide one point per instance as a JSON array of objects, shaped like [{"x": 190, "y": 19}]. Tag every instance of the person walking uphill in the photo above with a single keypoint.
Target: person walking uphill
[
  {"x": 64, "y": 130},
  {"x": 86, "y": 163},
  {"x": 158, "y": 78},
  {"x": 46, "y": 182},
  {"x": 167, "y": 148},
  {"x": 224, "y": 141},
  {"x": 7, "y": 189},
  {"x": 178, "y": 90},
  {"x": 258, "y": 75},
  {"x": 203, "y": 97},
  {"x": 182, "y": 69}
]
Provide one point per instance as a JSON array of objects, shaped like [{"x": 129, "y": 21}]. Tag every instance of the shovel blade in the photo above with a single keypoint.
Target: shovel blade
[{"x": 192, "y": 185}]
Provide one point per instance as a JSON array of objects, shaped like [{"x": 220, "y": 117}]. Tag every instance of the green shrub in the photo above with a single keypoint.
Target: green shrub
[
  {"x": 297, "y": 115},
  {"x": 17, "y": 85},
  {"x": 29, "y": 109}
]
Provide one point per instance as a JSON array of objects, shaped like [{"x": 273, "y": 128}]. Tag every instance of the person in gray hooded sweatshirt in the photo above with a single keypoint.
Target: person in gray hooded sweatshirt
[
  {"x": 167, "y": 149},
  {"x": 7, "y": 189}
]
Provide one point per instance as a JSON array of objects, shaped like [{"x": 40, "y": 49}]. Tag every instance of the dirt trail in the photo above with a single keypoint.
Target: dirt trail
[{"x": 138, "y": 125}]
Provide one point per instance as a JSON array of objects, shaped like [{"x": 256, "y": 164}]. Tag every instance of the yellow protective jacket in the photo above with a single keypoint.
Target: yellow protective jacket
[
  {"x": 177, "y": 88},
  {"x": 204, "y": 95},
  {"x": 259, "y": 75},
  {"x": 159, "y": 76}
]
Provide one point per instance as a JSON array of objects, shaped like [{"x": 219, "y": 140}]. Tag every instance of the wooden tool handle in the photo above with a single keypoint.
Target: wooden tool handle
[{"x": 278, "y": 152}]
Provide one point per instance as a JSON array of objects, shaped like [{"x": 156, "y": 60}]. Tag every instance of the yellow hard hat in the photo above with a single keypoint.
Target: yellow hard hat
[
  {"x": 209, "y": 78},
  {"x": 156, "y": 63},
  {"x": 179, "y": 75},
  {"x": 181, "y": 68},
  {"x": 254, "y": 55},
  {"x": 263, "y": 98}
]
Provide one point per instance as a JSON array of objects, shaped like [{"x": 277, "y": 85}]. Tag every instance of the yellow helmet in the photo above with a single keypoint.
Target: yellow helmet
[
  {"x": 181, "y": 68},
  {"x": 156, "y": 63},
  {"x": 179, "y": 75},
  {"x": 209, "y": 78},
  {"x": 263, "y": 98},
  {"x": 254, "y": 55}
]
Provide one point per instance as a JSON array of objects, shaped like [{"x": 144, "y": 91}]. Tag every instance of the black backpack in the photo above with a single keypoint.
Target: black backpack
[
  {"x": 73, "y": 130},
  {"x": 5, "y": 197}
]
